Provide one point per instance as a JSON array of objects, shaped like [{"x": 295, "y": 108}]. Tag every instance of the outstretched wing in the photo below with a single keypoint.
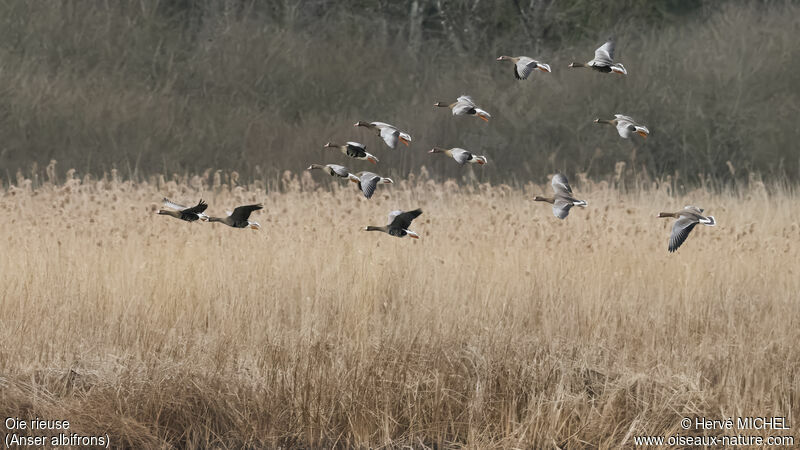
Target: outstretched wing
[
  {"x": 170, "y": 204},
  {"x": 367, "y": 183},
  {"x": 524, "y": 67},
  {"x": 604, "y": 55},
  {"x": 394, "y": 214},
  {"x": 680, "y": 231},
  {"x": 197, "y": 209},
  {"x": 355, "y": 150},
  {"x": 390, "y": 135},
  {"x": 243, "y": 212},
  {"x": 561, "y": 185},
  {"x": 462, "y": 108},
  {"x": 561, "y": 208},
  {"x": 625, "y": 128},
  {"x": 460, "y": 155},
  {"x": 403, "y": 220},
  {"x": 340, "y": 171},
  {"x": 466, "y": 99}
]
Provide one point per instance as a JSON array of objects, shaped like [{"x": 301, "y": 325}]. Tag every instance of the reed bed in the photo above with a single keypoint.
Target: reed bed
[{"x": 501, "y": 327}]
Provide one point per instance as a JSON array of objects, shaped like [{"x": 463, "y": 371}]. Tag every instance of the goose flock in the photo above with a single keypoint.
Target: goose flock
[{"x": 399, "y": 221}]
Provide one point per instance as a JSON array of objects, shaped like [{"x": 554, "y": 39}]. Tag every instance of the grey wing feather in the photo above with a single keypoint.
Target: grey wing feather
[
  {"x": 467, "y": 100},
  {"x": 462, "y": 108},
  {"x": 624, "y": 128},
  {"x": 341, "y": 171},
  {"x": 680, "y": 231},
  {"x": 461, "y": 156},
  {"x": 525, "y": 67},
  {"x": 561, "y": 208},
  {"x": 604, "y": 55},
  {"x": 368, "y": 183},
  {"x": 561, "y": 184},
  {"x": 390, "y": 136}
]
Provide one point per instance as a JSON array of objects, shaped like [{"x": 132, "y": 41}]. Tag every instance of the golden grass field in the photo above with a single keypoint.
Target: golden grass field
[{"x": 501, "y": 327}]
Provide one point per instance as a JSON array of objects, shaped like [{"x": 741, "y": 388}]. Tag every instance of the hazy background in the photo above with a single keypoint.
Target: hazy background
[{"x": 258, "y": 87}]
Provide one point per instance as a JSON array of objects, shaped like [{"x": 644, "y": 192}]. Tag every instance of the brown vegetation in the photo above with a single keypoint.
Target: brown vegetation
[
  {"x": 501, "y": 327},
  {"x": 259, "y": 87}
]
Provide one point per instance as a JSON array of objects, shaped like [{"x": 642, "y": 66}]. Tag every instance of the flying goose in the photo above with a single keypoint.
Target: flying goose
[
  {"x": 238, "y": 218},
  {"x": 389, "y": 133},
  {"x": 524, "y": 66},
  {"x": 399, "y": 221},
  {"x": 604, "y": 60},
  {"x": 688, "y": 217},
  {"x": 333, "y": 170},
  {"x": 464, "y": 105},
  {"x": 184, "y": 213},
  {"x": 368, "y": 181},
  {"x": 625, "y": 125},
  {"x": 460, "y": 155},
  {"x": 354, "y": 150},
  {"x": 562, "y": 200}
]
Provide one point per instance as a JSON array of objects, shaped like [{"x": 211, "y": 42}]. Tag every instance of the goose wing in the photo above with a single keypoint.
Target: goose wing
[
  {"x": 394, "y": 214},
  {"x": 368, "y": 181},
  {"x": 170, "y": 204},
  {"x": 243, "y": 212},
  {"x": 339, "y": 171},
  {"x": 355, "y": 150},
  {"x": 561, "y": 207},
  {"x": 680, "y": 231},
  {"x": 460, "y": 155},
  {"x": 197, "y": 209},
  {"x": 604, "y": 55},
  {"x": 403, "y": 219},
  {"x": 390, "y": 135},
  {"x": 462, "y": 108},
  {"x": 383, "y": 125},
  {"x": 524, "y": 67},
  {"x": 561, "y": 185},
  {"x": 625, "y": 128},
  {"x": 466, "y": 99}
]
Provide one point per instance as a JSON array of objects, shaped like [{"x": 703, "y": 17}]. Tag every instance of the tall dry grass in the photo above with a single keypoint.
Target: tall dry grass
[{"x": 501, "y": 327}]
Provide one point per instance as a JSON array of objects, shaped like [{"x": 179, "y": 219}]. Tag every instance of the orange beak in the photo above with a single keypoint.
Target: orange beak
[
  {"x": 542, "y": 69},
  {"x": 484, "y": 119},
  {"x": 413, "y": 237},
  {"x": 642, "y": 134},
  {"x": 404, "y": 141},
  {"x": 372, "y": 160}
]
